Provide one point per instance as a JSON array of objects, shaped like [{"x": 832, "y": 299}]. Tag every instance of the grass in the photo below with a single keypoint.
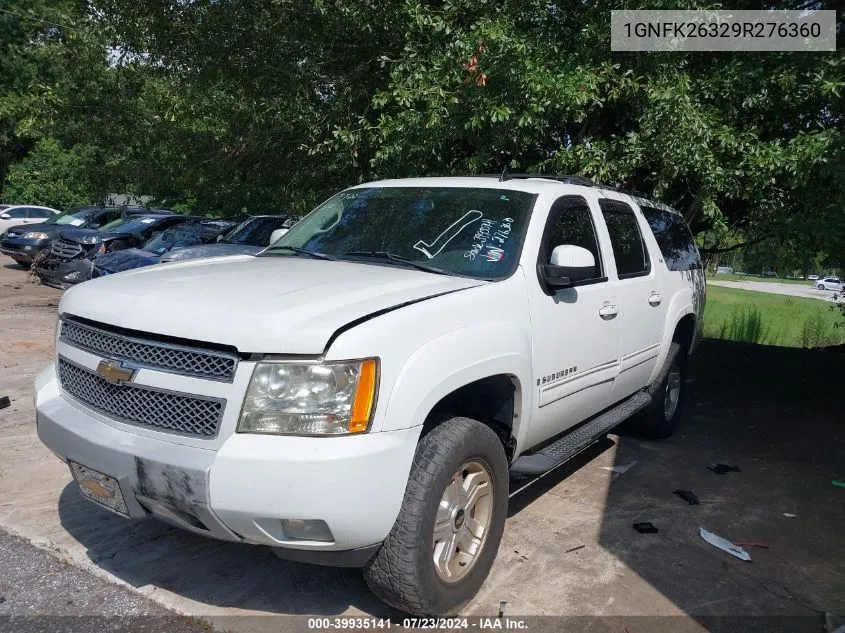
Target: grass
[
  {"x": 777, "y": 280},
  {"x": 769, "y": 319}
]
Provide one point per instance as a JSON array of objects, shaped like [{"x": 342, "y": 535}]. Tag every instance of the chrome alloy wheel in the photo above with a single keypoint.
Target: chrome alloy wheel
[
  {"x": 673, "y": 392},
  {"x": 463, "y": 521}
]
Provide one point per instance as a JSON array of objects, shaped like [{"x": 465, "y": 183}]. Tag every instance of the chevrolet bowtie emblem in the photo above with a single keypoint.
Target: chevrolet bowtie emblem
[{"x": 114, "y": 372}]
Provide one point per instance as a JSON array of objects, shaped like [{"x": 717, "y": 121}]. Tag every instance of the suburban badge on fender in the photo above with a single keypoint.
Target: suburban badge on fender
[{"x": 114, "y": 372}]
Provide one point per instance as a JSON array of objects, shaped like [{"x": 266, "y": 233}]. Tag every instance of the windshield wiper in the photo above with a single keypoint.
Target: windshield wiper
[
  {"x": 397, "y": 259},
  {"x": 303, "y": 251}
]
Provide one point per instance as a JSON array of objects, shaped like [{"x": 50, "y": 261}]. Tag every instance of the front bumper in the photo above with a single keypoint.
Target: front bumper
[
  {"x": 65, "y": 274},
  {"x": 243, "y": 488},
  {"x": 24, "y": 251}
]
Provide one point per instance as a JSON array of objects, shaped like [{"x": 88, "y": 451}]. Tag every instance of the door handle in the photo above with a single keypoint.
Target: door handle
[
  {"x": 655, "y": 299},
  {"x": 608, "y": 311}
]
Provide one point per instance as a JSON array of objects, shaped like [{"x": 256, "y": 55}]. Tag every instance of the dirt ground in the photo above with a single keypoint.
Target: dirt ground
[{"x": 777, "y": 413}]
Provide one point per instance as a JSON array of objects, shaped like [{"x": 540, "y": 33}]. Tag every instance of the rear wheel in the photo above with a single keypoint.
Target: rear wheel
[
  {"x": 660, "y": 419},
  {"x": 445, "y": 539},
  {"x": 820, "y": 287}
]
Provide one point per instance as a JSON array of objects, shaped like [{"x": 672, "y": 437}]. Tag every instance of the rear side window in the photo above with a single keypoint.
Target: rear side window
[
  {"x": 628, "y": 249},
  {"x": 39, "y": 213},
  {"x": 674, "y": 238}
]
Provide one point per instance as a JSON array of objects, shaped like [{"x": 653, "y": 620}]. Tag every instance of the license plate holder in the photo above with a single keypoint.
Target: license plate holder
[{"x": 99, "y": 488}]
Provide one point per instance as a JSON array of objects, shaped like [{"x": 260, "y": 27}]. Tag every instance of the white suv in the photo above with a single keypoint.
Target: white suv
[{"x": 358, "y": 393}]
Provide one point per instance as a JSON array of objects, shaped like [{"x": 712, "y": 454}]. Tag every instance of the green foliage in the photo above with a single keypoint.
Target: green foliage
[
  {"x": 746, "y": 325},
  {"x": 51, "y": 176},
  {"x": 817, "y": 331},
  {"x": 263, "y": 106},
  {"x": 771, "y": 319}
]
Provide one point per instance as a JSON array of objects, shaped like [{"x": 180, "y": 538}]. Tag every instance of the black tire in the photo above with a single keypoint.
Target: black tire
[
  {"x": 403, "y": 573},
  {"x": 653, "y": 421},
  {"x": 24, "y": 264},
  {"x": 820, "y": 287}
]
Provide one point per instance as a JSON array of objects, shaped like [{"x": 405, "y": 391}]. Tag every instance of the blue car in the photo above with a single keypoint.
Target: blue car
[
  {"x": 70, "y": 258},
  {"x": 192, "y": 233}
]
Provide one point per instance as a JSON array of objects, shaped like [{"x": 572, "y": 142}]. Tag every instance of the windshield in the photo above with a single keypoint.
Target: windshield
[
  {"x": 188, "y": 234},
  {"x": 72, "y": 218},
  {"x": 255, "y": 231},
  {"x": 464, "y": 231},
  {"x": 127, "y": 225}
]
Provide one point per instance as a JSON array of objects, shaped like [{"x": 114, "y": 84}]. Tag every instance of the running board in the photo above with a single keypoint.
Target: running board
[{"x": 573, "y": 443}]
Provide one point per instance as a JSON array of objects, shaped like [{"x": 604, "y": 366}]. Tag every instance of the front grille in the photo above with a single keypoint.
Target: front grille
[
  {"x": 163, "y": 410},
  {"x": 64, "y": 249},
  {"x": 201, "y": 363}
]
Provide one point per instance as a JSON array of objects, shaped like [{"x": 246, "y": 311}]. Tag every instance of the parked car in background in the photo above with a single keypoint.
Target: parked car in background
[
  {"x": 770, "y": 273},
  {"x": 20, "y": 214},
  {"x": 25, "y": 242},
  {"x": 812, "y": 277},
  {"x": 193, "y": 233},
  {"x": 70, "y": 258},
  {"x": 724, "y": 270},
  {"x": 247, "y": 238},
  {"x": 829, "y": 283}
]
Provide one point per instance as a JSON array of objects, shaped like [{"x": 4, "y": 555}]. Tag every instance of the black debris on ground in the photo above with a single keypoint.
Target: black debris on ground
[{"x": 688, "y": 496}]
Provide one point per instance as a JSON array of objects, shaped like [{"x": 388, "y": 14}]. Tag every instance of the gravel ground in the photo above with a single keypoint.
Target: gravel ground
[{"x": 40, "y": 591}]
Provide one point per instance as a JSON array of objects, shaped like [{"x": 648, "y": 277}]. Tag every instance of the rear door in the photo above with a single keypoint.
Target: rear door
[{"x": 642, "y": 309}]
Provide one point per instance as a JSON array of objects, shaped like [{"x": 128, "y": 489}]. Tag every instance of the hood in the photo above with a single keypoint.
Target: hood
[
  {"x": 281, "y": 305},
  {"x": 219, "y": 249},
  {"x": 80, "y": 235},
  {"x": 126, "y": 260},
  {"x": 52, "y": 230}
]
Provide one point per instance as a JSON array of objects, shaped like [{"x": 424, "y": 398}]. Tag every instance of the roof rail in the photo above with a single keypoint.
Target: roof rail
[{"x": 568, "y": 179}]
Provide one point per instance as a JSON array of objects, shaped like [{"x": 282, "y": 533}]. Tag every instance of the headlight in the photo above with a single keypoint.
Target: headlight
[
  {"x": 34, "y": 235},
  {"x": 90, "y": 239},
  {"x": 316, "y": 398}
]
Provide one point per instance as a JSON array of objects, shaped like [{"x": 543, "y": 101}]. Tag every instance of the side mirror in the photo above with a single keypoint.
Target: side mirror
[
  {"x": 567, "y": 265},
  {"x": 5, "y": 216},
  {"x": 94, "y": 225},
  {"x": 220, "y": 237},
  {"x": 276, "y": 235}
]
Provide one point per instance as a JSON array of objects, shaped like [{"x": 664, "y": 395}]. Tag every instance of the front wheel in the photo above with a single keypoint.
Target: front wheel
[
  {"x": 820, "y": 287},
  {"x": 446, "y": 536}
]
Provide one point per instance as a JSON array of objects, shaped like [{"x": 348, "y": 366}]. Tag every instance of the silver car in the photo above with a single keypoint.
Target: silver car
[{"x": 829, "y": 283}]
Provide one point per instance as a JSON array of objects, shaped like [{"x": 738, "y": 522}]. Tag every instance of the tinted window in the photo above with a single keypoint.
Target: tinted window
[
  {"x": 187, "y": 234},
  {"x": 39, "y": 213},
  {"x": 674, "y": 239},
  {"x": 628, "y": 248},
  {"x": 16, "y": 214},
  {"x": 572, "y": 224},
  {"x": 475, "y": 232},
  {"x": 129, "y": 225},
  {"x": 77, "y": 218},
  {"x": 256, "y": 231}
]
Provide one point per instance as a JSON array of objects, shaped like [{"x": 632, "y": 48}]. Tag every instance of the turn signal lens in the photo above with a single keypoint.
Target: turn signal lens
[{"x": 365, "y": 394}]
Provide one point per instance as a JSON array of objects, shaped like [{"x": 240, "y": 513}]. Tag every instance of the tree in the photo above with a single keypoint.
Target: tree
[{"x": 53, "y": 177}]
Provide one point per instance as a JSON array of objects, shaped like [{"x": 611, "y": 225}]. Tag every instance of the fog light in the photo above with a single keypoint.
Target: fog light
[
  {"x": 74, "y": 276},
  {"x": 27, "y": 248},
  {"x": 307, "y": 530}
]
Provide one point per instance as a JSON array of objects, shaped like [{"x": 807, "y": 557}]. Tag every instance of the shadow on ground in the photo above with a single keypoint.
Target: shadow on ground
[
  {"x": 774, "y": 412},
  {"x": 779, "y": 414}
]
